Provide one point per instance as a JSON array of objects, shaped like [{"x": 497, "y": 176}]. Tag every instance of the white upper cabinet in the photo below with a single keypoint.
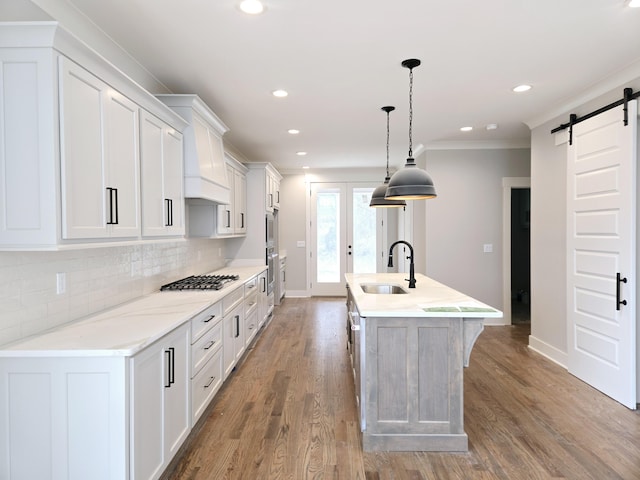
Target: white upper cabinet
[
  {"x": 205, "y": 174},
  {"x": 99, "y": 157},
  {"x": 70, "y": 149},
  {"x": 232, "y": 218},
  {"x": 162, "y": 174},
  {"x": 272, "y": 189}
]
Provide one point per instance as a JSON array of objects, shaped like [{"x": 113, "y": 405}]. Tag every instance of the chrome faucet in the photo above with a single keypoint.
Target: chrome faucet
[{"x": 412, "y": 275}]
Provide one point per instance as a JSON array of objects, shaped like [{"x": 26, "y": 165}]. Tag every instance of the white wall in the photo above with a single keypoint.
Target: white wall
[
  {"x": 466, "y": 215},
  {"x": 548, "y": 244},
  {"x": 292, "y": 223}
]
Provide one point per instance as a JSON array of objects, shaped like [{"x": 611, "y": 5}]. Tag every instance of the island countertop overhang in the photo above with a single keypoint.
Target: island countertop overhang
[{"x": 430, "y": 298}]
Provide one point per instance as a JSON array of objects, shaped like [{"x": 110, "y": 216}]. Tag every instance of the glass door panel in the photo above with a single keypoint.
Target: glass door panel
[{"x": 343, "y": 235}]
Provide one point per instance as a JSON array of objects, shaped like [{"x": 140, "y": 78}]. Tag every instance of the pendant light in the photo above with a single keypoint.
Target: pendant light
[
  {"x": 410, "y": 182},
  {"x": 377, "y": 198}
]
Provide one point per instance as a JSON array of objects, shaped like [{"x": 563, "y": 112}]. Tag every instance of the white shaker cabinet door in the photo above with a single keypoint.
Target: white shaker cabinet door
[
  {"x": 176, "y": 392},
  {"x": 162, "y": 178},
  {"x": 173, "y": 180},
  {"x": 123, "y": 164},
  {"x": 159, "y": 404},
  {"x": 239, "y": 202},
  {"x": 84, "y": 195}
]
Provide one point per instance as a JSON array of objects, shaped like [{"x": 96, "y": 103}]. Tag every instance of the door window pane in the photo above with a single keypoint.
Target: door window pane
[
  {"x": 364, "y": 232},
  {"x": 328, "y": 236}
]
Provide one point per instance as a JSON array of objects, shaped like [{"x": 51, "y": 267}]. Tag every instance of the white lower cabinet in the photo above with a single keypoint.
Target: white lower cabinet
[
  {"x": 233, "y": 342},
  {"x": 63, "y": 418},
  {"x": 116, "y": 417},
  {"x": 160, "y": 419}
]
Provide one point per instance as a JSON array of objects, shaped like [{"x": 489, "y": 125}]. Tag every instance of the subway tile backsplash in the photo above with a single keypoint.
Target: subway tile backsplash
[{"x": 95, "y": 279}]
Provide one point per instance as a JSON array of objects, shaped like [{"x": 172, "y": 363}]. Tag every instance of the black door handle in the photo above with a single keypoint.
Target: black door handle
[{"x": 618, "y": 281}]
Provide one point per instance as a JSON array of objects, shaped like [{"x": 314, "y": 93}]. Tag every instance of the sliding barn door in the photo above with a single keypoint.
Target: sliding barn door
[{"x": 601, "y": 263}]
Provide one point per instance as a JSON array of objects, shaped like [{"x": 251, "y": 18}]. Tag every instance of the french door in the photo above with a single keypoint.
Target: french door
[
  {"x": 601, "y": 242},
  {"x": 345, "y": 235}
]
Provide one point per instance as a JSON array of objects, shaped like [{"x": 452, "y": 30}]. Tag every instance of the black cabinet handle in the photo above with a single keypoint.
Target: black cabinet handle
[
  {"x": 209, "y": 319},
  {"x": 237, "y": 326},
  {"x": 167, "y": 354},
  {"x": 113, "y": 206},
  {"x": 618, "y": 281},
  {"x": 210, "y": 382},
  {"x": 228, "y": 218},
  {"x": 242, "y": 220},
  {"x": 264, "y": 285},
  {"x": 169, "y": 204},
  {"x": 210, "y": 345}
]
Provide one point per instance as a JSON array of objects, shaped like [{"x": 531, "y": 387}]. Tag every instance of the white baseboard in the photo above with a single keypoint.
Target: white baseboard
[
  {"x": 496, "y": 322},
  {"x": 296, "y": 294},
  {"x": 548, "y": 351}
]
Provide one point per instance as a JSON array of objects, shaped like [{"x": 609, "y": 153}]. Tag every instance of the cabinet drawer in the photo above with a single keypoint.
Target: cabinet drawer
[
  {"x": 250, "y": 326},
  {"x": 251, "y": 286},
  {"x": 204, "y": 348},
  {"x": 250, "y": 304},
  {"x": 205, "y": 385},
  {"x": 205, "y": 320},
  {"x": 230, "y": 301}
]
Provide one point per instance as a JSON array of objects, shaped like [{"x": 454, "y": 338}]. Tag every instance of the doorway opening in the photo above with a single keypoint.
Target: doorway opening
[
  {"x": 520, "y": 256},
  {"x": 516, "y": 294}
]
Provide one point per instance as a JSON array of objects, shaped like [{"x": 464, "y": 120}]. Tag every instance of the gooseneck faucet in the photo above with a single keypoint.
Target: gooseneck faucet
[{"x": 412, "y": 275}]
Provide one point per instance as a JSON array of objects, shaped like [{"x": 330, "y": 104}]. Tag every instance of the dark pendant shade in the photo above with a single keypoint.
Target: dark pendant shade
[
  {"x": 410, "y": 183},
  {"x": 378, "y": 197}
]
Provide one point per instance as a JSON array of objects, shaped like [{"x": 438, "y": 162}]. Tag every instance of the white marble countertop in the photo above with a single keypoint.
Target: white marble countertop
[
  {"x": 429, "y": 299},
  {"x": 128, "y": 328}
]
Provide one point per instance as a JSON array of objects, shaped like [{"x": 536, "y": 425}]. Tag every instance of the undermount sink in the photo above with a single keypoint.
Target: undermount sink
[{"x": 382, "y": 288}]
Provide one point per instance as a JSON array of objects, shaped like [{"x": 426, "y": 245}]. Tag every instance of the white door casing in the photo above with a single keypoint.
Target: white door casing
[{"x": 601, "y": 243}]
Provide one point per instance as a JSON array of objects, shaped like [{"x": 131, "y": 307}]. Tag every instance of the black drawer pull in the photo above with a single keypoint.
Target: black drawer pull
[
  {"x": 213, "y": 379},
  {"x": 210, "y": 345}
]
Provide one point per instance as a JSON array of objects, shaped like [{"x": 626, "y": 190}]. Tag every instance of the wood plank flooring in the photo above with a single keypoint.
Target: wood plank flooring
[{"x": 288, "y": 412}]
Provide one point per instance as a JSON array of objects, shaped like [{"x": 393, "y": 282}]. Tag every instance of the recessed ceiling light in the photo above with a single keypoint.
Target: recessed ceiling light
[
  {"x": 293, "y": 131},
  {"x": 522, "y": 88},
  {"x": 466, "y": 129},
  {"x": 306, "y": 167},
  {"x": 301, "y": 154},
  {"x": 280, "y": 93},
  {"x": 492, "y": 126},
  {"x": 634, "y": 3},
  {"x": 252, "y": 7}
]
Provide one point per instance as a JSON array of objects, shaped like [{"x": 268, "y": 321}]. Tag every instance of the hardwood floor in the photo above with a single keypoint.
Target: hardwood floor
[{"x": 288, "y": 412}]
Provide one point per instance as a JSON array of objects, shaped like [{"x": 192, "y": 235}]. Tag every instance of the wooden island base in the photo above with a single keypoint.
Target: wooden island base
[{"x": 408, "y": 369}]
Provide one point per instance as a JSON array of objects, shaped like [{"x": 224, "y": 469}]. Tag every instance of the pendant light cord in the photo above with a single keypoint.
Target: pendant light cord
[
  {"x": 388, "y": 143},
  {"x": 410, "y": 111}
]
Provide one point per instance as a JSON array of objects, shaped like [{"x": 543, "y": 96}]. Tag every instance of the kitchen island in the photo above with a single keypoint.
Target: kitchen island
[{"x": 408, "y": 352}]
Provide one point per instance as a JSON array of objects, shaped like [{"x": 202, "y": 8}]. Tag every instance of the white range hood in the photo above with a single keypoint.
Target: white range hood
[{"x": 205, "y": 174}]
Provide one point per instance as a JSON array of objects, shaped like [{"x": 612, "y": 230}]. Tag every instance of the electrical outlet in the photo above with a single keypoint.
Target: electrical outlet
[
  {"x": 488, "y": 248},
  {"x": 61, "y": 283}
]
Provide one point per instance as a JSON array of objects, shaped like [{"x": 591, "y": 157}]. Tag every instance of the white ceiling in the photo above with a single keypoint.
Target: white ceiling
[{"x": 340, "y": 62}]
